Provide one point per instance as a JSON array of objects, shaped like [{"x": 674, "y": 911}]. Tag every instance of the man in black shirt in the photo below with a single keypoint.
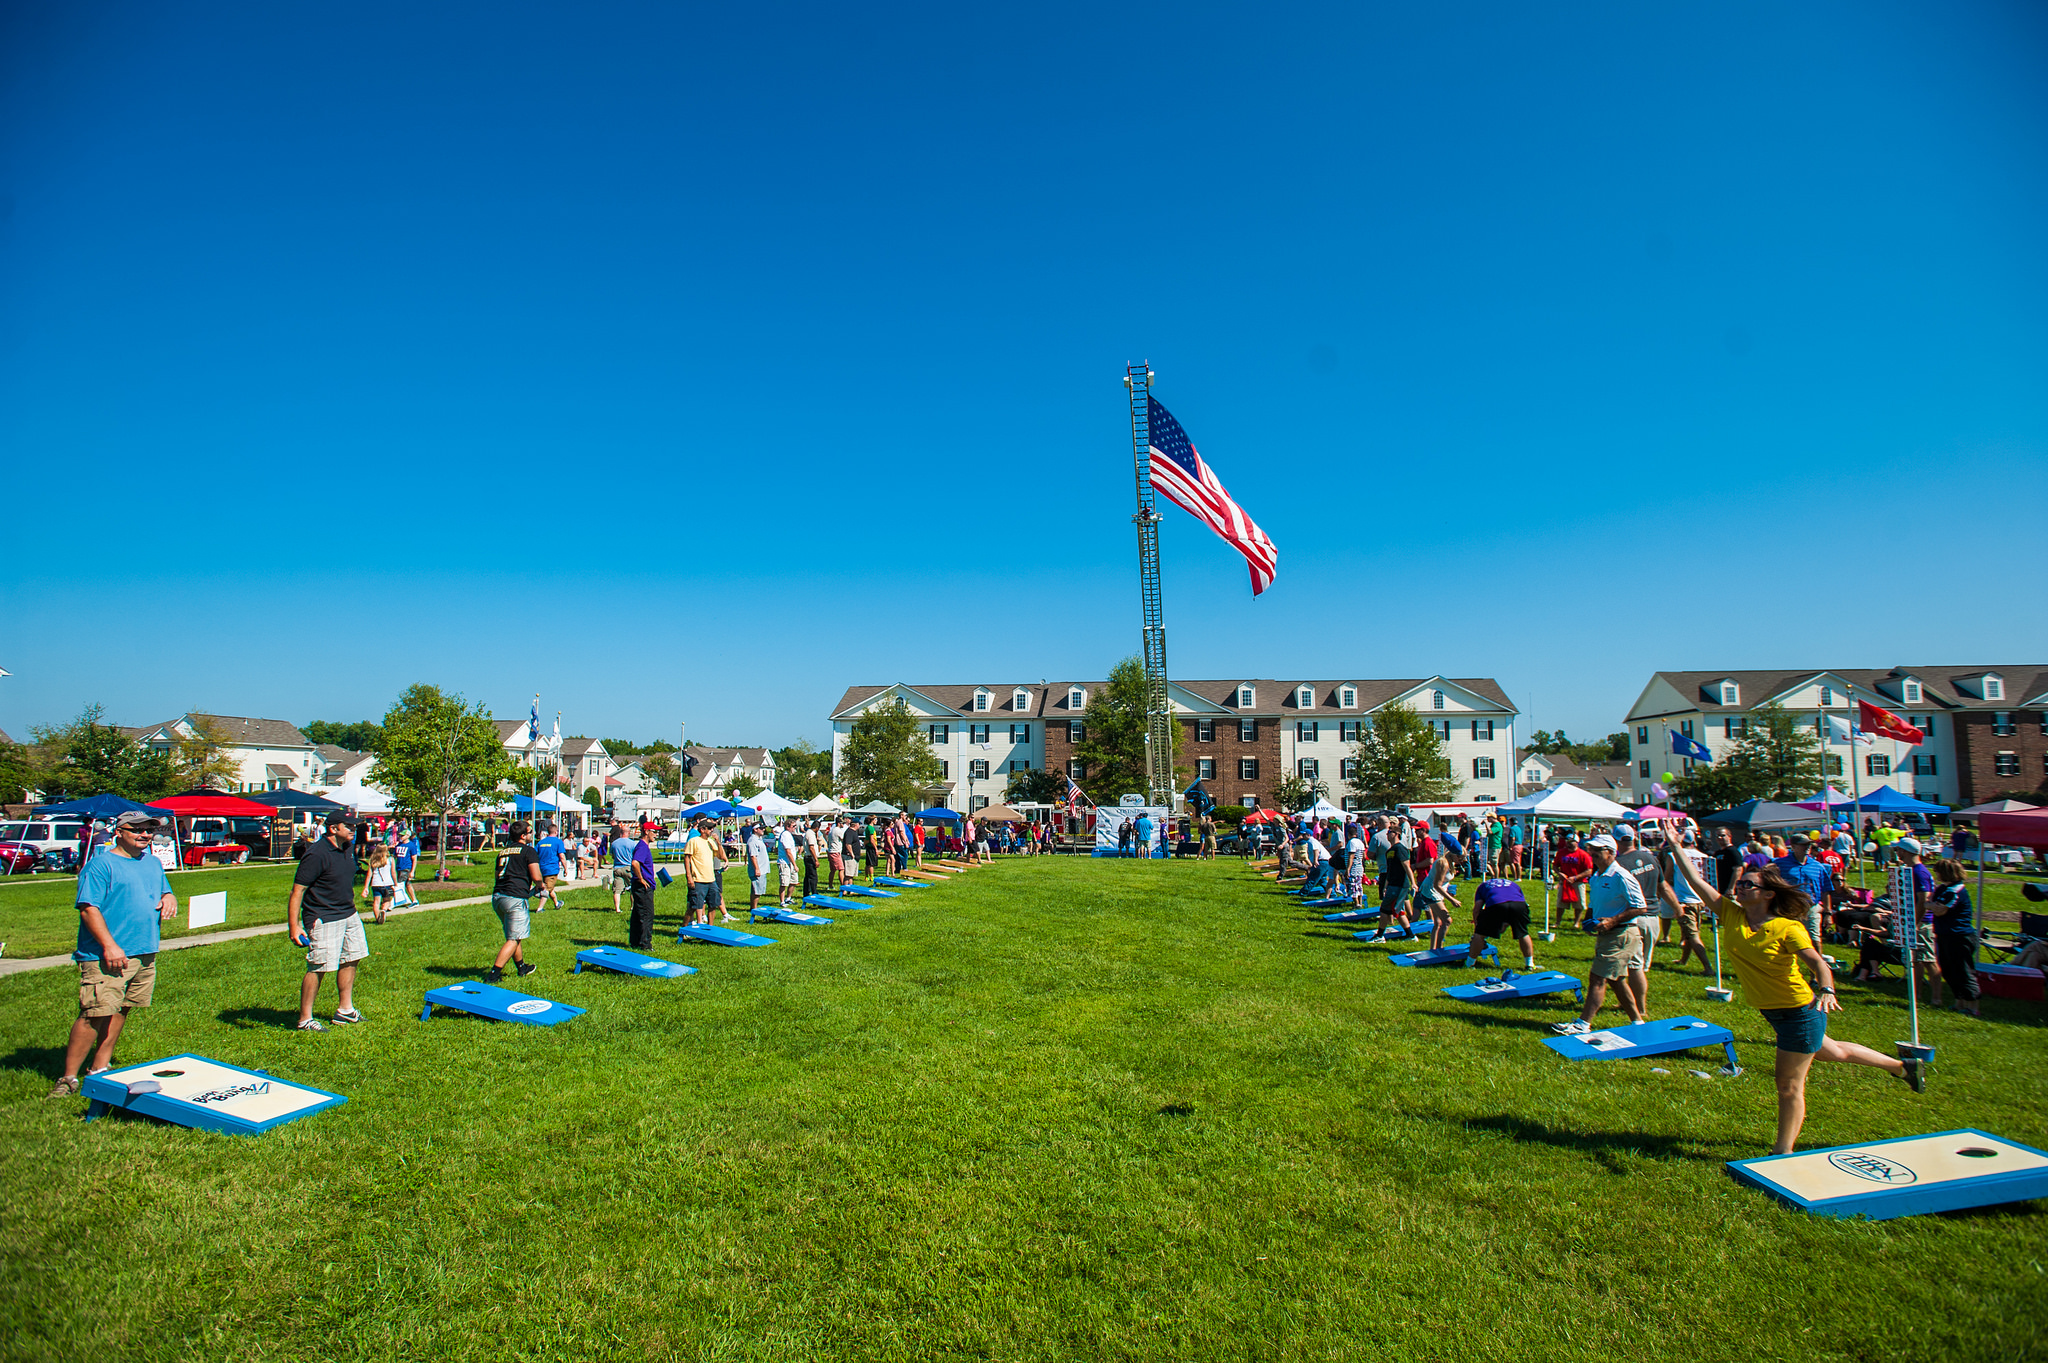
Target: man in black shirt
[
  {"x": 1727, "y": 860},
  {"x": 519, "y": 880},
  {"x": 322, "y": 918}
]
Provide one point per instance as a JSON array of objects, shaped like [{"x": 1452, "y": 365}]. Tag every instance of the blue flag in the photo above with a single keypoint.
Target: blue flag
[{"x": 1689, "y": 747}]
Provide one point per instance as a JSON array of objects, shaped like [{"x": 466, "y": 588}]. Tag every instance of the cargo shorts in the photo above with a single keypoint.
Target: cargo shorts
[
  {"x": 102, "y": 993},
  {"x": 335, "y": 942}
]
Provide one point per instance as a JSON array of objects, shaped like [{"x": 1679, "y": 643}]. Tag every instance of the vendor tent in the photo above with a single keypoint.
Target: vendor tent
[
  {"x": 768, "y": 802},
  {"x": 2027, "y": 828},
  {"x": 1648, "y": 812},
  {"x": 296, "y": 800},
  {"x": 937, "y": 814},
  {"x": 1323, "y": 809},
  {"x": 1565, "y": 802},
  {"x": 206, "y": 804},
  {"x": 1265, "y": 816},
  {"x": 878, "y": 807},
  {"x": 822, "y": 803},
  {"x": 1762, "y": 814},
  {"x": 1989, "y": 807},
  {"x": 362, "y": 799},
  {"x": 713, "y": 809},
  {"x": 1883, "y": 800},
  {"x": 98, "y": 807},
  {"x": 1829, "y": 796},
  {"x": 1001, "y": 814}
]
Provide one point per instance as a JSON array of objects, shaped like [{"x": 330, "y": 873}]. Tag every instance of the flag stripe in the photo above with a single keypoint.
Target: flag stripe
[{"x": 1178, "y": 472}]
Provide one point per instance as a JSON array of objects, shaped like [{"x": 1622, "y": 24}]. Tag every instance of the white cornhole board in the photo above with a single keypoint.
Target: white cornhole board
[
  {"x": 194, "y": 1091},
  {"x": 1912, "y": 1176},
  {"x": 206, "y": 910}
]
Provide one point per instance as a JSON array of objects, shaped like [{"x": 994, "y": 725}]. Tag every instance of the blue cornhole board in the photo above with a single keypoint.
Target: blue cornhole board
[
  {"x": 1327, "y": 902},
  {"x": 868, "y": 891},
  {"x": 1646, "y": 1038},
  {"x": 902, "y": 884},
  {"x": 1513, "y": 986},
  {"x": 1350, "y": 915},
  {"x": 191, "y": 1090},
  {"x": 724, "y": 937},
  {"x": 503, "y": 1005},
  {"x": 1397, "y": 935},
  {"x": 1910, "y": 1176},
  {"x": 1444, "y": 955},
  {"x": 826, "y": 901},
  {"x": 791, "y": 916},
  {"x": 630, "y": 963}
]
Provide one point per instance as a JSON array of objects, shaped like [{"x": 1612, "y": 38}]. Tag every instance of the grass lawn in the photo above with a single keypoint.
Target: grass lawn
[{"x": 1054, "y": 1109}]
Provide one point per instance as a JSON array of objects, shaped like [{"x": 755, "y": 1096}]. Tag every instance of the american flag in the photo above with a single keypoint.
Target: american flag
[
  {"x": 1187, "y": 482},
  {"x": 1074, "y": 795}
]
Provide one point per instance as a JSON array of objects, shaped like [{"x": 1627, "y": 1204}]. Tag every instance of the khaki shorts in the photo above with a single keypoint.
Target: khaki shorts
[
  {"x": 336, "y": 942},
  {"x": 622, "y": 879},
  {"x": 102, "y": 994},
  {"x": 1619, "y": 952}
]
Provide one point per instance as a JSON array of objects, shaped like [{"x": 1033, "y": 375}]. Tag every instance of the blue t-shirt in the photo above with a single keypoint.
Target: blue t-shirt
[
  {"x": 1810, "y": 876},
  {"x": 407, "y": 853},
  {"x": 1144, "y": 829},
  {"x": 550, "y": 849},
  {"x": 126, "y": 890},
  {"x": 622, "y": 852}
]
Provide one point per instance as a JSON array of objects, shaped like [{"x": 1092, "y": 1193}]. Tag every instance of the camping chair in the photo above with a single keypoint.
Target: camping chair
[{"x": 2033, "y": 928}]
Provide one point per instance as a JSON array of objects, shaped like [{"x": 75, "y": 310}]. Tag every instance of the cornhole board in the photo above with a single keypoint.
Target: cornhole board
[
  {"x": 503, "y": 1005},
  {"x": 724, "y": 937},
  {"x": 928, "y": 877},
  {"x": 1910, "y": 1176},
  {"x": 664, "y": 877},
  {"x": 792, "y": 917},
  {"x": 899, "y": 883},
  {"x": 1646, "y": 1038},
  {"x": 867, "y": 891},
  {"x": 1518, "y": 987},
  {"x": 1350, "y": 915},
  {"x": 191, "y": 1090},
  {"x": 956, "y": 865},
  {"x": 630, "y": 963},
  {"x": 1327, "y": 901},
  {"x": 826, "y": 901},
  {"x": 1395, "y": 935},
  {"x": 1443, "y": 955}
]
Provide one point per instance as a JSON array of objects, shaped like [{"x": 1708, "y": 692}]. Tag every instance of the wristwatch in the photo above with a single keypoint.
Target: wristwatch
[{"x": 1828, "y": 990}]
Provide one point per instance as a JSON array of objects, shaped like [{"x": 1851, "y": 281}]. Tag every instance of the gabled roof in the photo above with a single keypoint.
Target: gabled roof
[
  {"x": 577, "y": 747},
  {"x": 1940, "y": 687},
  {"x": 1272, "y": 696},
  {"x": 234, "y": 730},
  {"x": 337, "y": 756}
]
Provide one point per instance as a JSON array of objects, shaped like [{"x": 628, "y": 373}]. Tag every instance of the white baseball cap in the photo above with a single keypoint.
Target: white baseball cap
[{"x": 1601, "y": 840}]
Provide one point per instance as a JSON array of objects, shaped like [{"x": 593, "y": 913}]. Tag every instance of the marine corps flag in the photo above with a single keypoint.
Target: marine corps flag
[{"x": 1873, "y": 719}]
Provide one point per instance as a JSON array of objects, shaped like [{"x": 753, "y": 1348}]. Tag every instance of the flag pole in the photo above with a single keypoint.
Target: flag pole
[{"x": 1158, "y": 713}]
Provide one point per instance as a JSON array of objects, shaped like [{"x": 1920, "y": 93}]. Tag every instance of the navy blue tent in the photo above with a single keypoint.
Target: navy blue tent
[
  {"x": 99, "y": 807},
  {"x": 714, "y": 809},
  {"x": 300, "y": 799},
  {"x": 938, "y": 814},
  {"x": 1885, "y": 800}
]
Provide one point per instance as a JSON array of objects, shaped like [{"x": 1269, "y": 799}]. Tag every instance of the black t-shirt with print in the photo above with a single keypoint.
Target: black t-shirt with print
[{"x": 515, "y": 873}]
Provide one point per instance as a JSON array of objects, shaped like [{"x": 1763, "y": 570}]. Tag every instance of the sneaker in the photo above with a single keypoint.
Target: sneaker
[
  {"x": 527, "y": 967},
  {"x": 345, "y": 1016},
  {"x": 1576, "y": 1027},
  {"x": 313, "y": 1025},
  {"x": 66, "y": 1087},
  {"x": 494, "y": 975},
  {"x": 1915, "y": 1079}
]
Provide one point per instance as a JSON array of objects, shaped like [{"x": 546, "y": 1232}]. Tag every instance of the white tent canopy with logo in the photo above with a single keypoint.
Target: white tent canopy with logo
[
  {"x": 768, "y": 802},
  {"x": 1323, "y": 809},
  {"x": 1565, "y": 802}
]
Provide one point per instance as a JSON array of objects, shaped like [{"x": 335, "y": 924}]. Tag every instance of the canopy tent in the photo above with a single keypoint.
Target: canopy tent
[
  {"x": 1989, "y": 807},
  {"x": 1829, "y": 796},
  {"x": 1323, "y": 809},
  {"x": 1565, "y": 802},
  {"x": 99, "y": 807},
  {"x": 768, "y": 802},
  {"x": 822, "y": 803},
  {"x": 362, "y": 799},
  {"x": 1001, "y": 814},
  {"x": 1883, "y": 800},
  {"x": 2025, "y": 828},
  {"x": 937, "y": 814},
  {"x": 877, "y": 807},
  {"x": 1658, "y": 812},
  {"x": 713, "y": 809},
  {"x": 1764, "y": 814},
  {"x": 300, "y": 800},
  {"x": 1265, "y": 816},
  {"x": 212, "y": 804}
]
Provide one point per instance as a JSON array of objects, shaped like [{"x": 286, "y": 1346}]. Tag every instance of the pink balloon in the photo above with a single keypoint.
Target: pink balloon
[{"x": 1657, "y": 791}]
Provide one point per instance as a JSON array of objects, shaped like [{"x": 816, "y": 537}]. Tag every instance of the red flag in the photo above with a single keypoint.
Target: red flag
[{"x": 1874, "y": 720}]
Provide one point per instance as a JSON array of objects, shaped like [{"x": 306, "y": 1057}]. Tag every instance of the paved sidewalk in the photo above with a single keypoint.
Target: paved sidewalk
[{"x": 16, "y": 965}]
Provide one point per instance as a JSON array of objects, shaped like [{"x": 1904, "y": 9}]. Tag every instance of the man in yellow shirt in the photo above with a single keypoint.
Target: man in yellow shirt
[{"x": 700, "y": 857}]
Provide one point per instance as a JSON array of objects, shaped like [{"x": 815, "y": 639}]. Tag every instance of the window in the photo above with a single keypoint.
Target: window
[
  {"x": 1248, "y": 800},
  {"x": 1076, "y": 731},
  {"x": 1642, "y": 768},
  {"x": 1642, "y": 733},
  {"x": 1077, "y": 770},
  {"x": 1731, "y": 694},
  {"x": 1305, "y": 697},
  {"x": 1734, "y": 727},
  {"x": 1020, "y": 766},
  {"x": 1347, "y": 731},
  {"x": 2001, "y": 723},
  {"x": 976, "y": 803},
  {"x": 939, "y": 733},
  {"x": 978, "y": 769},
  {"x": 1924, "y": 766},
  {"x": 1685, "y": 727},
  {"x": 1205, "y": 731},
  {"x": 1020, "y": 733},
  {"x": 981, "y": 700},
  {"x": 1442, "y": 727},
  {"x": 1994, "y": 686},
  {"x": 1352, "y": 803},
  {"x": 1909, "y": 692},
  {"x": 1348, "y": 768},
  {"x": 1877, "y": 764},
  {"x": 1482, "y": 768},
  {"x": 1831, "y": 765},
  {"x": 1535, "y": 774},
  {"x": 977, "y": 733},
  {"x": 1436, "y": 700},
  {"x": 1347, "y": 697},
  {"x": 1247, "y": 731},
  {"x": 1482, "y": 731},
  {"x": 1247, "y": 696},
  {"x": 945, "y": 771},
  {"x": 1307, "y": 768},
  {"x": 1248, "y": 768},
  {"x": 1827, "y": 696},
  {"x": 1020, "y": 699},
  {"x": 593, "y": 766},
  {"x": 1205, "y": 768},
  {"x": 1077, "y": 699},
  {"x": 2006, "y": 764},
  {"x": 1307, "y": 731},
  {"x": 1924, "y": 723}
]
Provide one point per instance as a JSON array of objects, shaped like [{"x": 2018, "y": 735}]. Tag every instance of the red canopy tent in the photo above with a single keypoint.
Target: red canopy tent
[
  {"x": 2028, "y": 828},
  {"x": 212, "y": 804}
]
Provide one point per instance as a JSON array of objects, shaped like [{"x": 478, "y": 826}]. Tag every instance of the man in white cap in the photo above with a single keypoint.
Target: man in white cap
[
  {"x": 123, "y": 898},
  {"x": 1614, "y": 901}
]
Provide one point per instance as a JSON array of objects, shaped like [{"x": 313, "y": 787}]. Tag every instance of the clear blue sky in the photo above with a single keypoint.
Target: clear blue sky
[{"x": 761, "y": 350}]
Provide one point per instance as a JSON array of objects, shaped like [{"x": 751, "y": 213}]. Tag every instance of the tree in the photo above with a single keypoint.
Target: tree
[
  {"x": 742, "y": 787},
  {"x": 359, "y": 736},
  {"x": 593, "y": 797},
  {"x": 886, "y": 758},
  {"x": 440, "y": 753},
  {"x": 1038, "y": 786},
  {"x": 616, "y": 746},
  {"x": 18, "y": 772},
  {"x": 1113, "y": 753},
  {"x": 663, "y": 773},
  {"x": 202, "y": 759},
  {"x": 1546, "y": 742},
  {"x": 1777, "y": 758},
  {"x": 1399, "y": 761},
  {"x": 88, "y": 757},
  {"x": 802, "y": 770},
  {"x": 1292, "y": 794}
]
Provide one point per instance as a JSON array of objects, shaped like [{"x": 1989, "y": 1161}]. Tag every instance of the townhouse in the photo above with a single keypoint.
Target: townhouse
[
  {"x": 269, "y": 754},
  {"x": 1540, "y": 771}
]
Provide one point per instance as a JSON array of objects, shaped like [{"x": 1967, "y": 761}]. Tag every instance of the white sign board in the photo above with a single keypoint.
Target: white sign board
[
  {"x": 165, "y": 851},
  {"x": 626, "y": 808},
  {"x": 1109, "y": 821},
  {"x": 207, "y": 910}
]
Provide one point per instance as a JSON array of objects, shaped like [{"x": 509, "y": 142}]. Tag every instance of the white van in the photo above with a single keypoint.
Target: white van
[{"x": 46, "y": 835}]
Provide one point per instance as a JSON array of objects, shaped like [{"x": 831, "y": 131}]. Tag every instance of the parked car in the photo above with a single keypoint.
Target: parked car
[
  {"x": 20, "y": 858},
  {"x": 46, "y": 835}
]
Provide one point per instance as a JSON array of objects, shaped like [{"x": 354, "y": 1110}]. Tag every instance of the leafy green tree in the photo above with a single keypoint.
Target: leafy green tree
[
  {"x": 1777, "y": 758},
  {"x": 593, "y": 797},
  {"x": 1292, "y": 794},
  {"x": 802, "y": 771},
  {"x": 1400, "y": 761},
  {"x": 617, "y": 746},
  {"x": 1546, "y": 742},
  {"x": 440, "y": 754},
  {"x": 203, "y": 759},
  {"x": 1113, "y": 753},
  {"x": 1038, "y": 786},
  {"x": 19, "y": 771},
  {"x": 90, "y": 757},
  {"x": 742, "y": 788},
  {"x": 663, "y": 773},
  {"x": 359, "y": 736},
  {"x": 886, "y": 758}
]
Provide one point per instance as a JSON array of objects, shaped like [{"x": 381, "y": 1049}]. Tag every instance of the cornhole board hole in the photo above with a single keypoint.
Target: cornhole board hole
[
  {"x": 630, "y": 963},
  {"x": 1350, "y": 915},
  {"x": 1444, "y": 955},
  {"x": 724, "y": 937},
  {"x": 1910, "y": 1176},
  {"x": 190, "y": 1090},
  {"x": 1394, "y": 935},
  {"x": 867, "y": 891},
  {"x": 792, "y": 917},
  {"x": 826, "y": 901},
  {"x": 1509, "y": 987},
  {"x": 502, "y": 1005},
  {"x": 1646, "y": 1038},
  {"x": 901, "y": 884}
]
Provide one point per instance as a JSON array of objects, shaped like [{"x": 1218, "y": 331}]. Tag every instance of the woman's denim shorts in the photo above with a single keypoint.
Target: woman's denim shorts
[{"x": 1800, "y": 1030}]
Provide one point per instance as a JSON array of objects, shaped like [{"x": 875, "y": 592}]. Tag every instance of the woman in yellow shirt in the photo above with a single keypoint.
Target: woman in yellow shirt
[{"x": 1766, "y": 940}]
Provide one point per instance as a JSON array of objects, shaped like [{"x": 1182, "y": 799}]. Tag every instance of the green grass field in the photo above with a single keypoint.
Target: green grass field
[{"x": 1055, "y": 1109}]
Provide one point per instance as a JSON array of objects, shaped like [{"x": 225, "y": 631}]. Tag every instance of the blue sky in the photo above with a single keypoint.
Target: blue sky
[{"x": 679, "y": 362}]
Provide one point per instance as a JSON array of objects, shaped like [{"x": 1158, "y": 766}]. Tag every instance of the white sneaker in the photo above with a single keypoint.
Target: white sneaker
[{"x": 1576, "y": 1027}]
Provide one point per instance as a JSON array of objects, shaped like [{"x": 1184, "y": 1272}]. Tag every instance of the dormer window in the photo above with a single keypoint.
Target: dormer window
[
  {"x": 1347, "y": 697},
  {"x": 1305, "y": 697},
  {"x": 1020, "y": 699},
  {"x": 1077, "y": 699},
  {"x": 1730, "y": 693},
  {"x": 1909, "y": 692},
  {"x": 1436, "y": 700},
  {"x": 981, "y": 701},
  {"x": 1994, "y": 686},
  {"x": 1247, "y": 697}
]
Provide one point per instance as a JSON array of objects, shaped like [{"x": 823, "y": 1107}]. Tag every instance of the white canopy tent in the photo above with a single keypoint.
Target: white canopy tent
[
  {"x": 822, "y": 803},
  {"x": 768, "y": 802},
  {"x": 362, "y": 799},
  {"x": 1323, "y": 809},
  {"x": 1565, "y": 802}
]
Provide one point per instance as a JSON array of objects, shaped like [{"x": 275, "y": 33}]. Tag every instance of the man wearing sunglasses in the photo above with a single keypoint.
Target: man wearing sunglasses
[{"x": 1614, "y": 901}]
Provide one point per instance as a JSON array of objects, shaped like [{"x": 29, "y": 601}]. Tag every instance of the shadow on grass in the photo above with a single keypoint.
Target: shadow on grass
[
  {"x": 45, "y": 1060},
  {"x": 251, "y": 1016},
  {"x": 460, "y": 972},
  {"x": 1527, "y": 1022},
  {"x": 1604, "y": 1148}
]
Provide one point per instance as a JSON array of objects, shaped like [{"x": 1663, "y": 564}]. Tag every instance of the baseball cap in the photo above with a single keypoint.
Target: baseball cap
[
  {"x": 1907, "y": 844},
  {"x": 137, "y": 818},
  {"x": 336, "y": 817},
  {"x": 1601, "y": 840},
  {"x": 1688, "y": 837},
  {"x": 1624, "y": 832}
]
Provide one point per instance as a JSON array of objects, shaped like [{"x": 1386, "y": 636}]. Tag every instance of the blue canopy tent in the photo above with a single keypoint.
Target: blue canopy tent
[
  {"x": 99, "y": 807},
  {"x": 1883, "y": 800},
  {"x": 937, "y": 814},
  {"x": 526, "y": 804},
  {"x": 714, "y": 809}
]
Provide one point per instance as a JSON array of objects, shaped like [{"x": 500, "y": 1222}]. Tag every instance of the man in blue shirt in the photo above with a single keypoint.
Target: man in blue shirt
[
  {"x": 1144, "y": 832},
  {"x": 123, "y": 897},
  {"x": 407, "y": 854},
  {"x": 550, "y": 849},
  {"x": 1812, "y": 878}
]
